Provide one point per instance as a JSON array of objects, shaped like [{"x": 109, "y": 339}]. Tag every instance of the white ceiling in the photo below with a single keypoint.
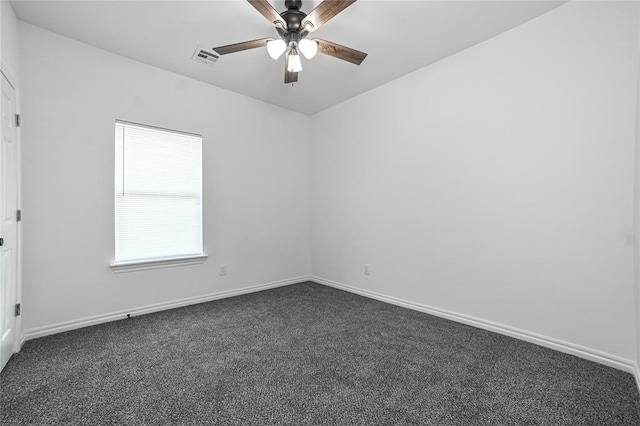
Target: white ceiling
[{"x": 399, "y": 36}]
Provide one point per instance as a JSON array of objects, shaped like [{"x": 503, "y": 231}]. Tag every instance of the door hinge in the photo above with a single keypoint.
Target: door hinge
[
  {"x": 17, "y": 120},
  {"x": 17, "y": 309},
  {"x": 18, "y": 215}
]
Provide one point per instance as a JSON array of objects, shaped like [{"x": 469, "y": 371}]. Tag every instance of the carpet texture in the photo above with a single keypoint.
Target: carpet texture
[{"x": 305, "y": 354}]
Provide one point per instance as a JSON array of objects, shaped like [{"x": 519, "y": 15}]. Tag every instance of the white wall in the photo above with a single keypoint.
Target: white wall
[
  {"x": 637, "y": 217},
  {"x": 2, "y": 6},
  {"x": 9, "y": 43},
  {"x": 496, "y": 184},
  {"x": 255, "y": 181}
]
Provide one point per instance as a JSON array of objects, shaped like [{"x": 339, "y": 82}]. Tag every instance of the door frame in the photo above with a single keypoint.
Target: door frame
[
  {"x": 636, "y": 219},
  {"x": 19, "y": 336}
]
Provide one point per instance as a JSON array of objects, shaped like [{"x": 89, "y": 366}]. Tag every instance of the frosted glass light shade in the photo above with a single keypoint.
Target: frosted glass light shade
[
  {"x": 309, "y": 48},
  {"x": 295, "y": 65},
  {"x": 276, "y": 48}
]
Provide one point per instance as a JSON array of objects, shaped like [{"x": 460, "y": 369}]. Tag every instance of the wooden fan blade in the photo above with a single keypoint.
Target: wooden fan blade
[
  {"x": 269, "y": 12},
  {"x": 340, "y": 52},
  {"x": 245, "y": 45},
  {"x": 324, "y": 12},
  {"x": 289, "y": 77}
]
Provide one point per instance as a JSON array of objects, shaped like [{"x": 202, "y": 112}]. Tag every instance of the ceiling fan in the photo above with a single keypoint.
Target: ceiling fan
[{"x": 293, "y": 27}]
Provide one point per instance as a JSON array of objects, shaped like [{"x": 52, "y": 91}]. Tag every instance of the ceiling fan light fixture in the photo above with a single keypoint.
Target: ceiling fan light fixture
[
  {"x": 276, "y": 48},
  {"x": 293, "y": 26},
  {"x": 294, "y": 65},
  {"x": 309, "y": 48}
]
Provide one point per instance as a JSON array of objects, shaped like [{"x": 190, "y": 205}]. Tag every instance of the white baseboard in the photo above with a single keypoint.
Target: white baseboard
[
  {"x": 114, "y": 316},
  {"x": 548, "y": 342},
  {"x": 559, "y": 345},
  {"x": 23, "y": 339}
]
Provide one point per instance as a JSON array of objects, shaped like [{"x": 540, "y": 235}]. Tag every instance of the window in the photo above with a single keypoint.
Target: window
[{"x": 158, "y": 197}]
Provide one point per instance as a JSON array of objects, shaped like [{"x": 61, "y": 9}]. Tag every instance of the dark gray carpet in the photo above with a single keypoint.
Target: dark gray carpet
[{"x": 305, "y": 354}]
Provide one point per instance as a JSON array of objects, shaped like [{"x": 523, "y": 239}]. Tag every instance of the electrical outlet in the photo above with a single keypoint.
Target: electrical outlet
[
  {"x": 222, "y": 270},
  {"x": 366, "y": 269}
]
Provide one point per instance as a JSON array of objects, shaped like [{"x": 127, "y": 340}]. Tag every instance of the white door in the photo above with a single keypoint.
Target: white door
[{"x": 8, "y": 225}]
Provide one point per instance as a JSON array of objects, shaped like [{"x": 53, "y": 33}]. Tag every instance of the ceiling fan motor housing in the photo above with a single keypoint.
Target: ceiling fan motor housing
[
  {"x": 293, "y": 4},
  {"x": 293, "y": 16}
]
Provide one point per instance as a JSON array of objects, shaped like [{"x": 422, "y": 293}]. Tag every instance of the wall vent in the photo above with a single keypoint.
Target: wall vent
[{"x": 205, "y": 56}]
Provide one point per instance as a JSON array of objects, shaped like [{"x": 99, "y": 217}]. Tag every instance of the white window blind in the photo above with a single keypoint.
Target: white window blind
[{"x": 158, "y": 194}]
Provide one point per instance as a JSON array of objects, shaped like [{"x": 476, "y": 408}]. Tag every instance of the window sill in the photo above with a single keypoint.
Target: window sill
[{"x": 118, "y": 268}]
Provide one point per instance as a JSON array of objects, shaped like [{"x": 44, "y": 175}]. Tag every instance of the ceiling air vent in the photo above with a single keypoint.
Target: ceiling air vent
[{"x": 205, "y": 56}]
